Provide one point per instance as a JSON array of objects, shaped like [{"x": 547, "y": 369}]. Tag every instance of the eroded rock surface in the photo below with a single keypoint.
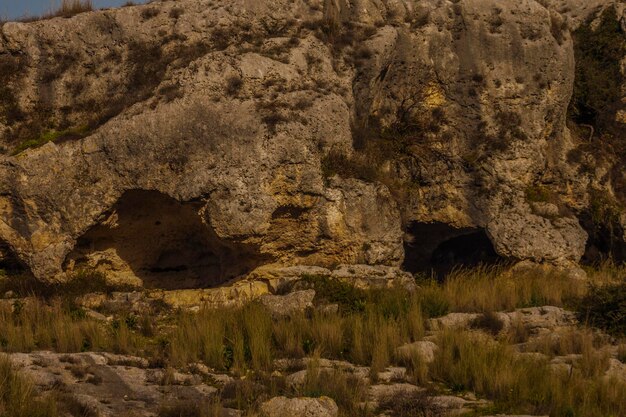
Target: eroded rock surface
[
  {"x": 225, "y": 116},
  {"x": 309, "y": 407}
]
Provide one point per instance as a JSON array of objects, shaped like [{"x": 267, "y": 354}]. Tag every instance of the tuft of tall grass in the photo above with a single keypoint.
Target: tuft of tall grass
[
  {"x": 486, "y": 289},
  {"x": 73, "y": 7},
  {"x": 36, "y": 324},
  {"x": 223, "y": 339},
  {"x": 348, "y": 391},
  {"x": 17, "y": 395},
  {"x": 473, "y": 361}
]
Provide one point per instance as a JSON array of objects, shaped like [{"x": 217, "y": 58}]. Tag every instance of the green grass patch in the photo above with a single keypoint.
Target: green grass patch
[
  {"x": 331, "y": 290},
  {"x": 52, "y": 136}
]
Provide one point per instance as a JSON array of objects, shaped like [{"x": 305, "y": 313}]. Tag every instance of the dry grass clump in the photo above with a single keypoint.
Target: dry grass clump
[
  {"x": 474, "y": 361},
  {"x": 73, "y": 7},
  {"x": 565, "y": 342},
  {"x": 240, "y": 339},
  {"x": 35, "y": 324},
  {"x": 223, "y": 339},
  {"x": 489, "y": 322},
  {"x": 67, "y": 8},
  {"x": 348, "y": 391},
  {"x": 486, "y": 289},
  {"x": 80, "y": 282},
  {"x": 366, "y": 329},
  {"x": 412, "y": 405},
  {"x": 191, "y": 409},
  {"x": 17, "y": 395}
]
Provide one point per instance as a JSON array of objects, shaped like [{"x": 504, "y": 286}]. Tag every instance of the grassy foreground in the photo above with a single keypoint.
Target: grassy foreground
[{"x": 366, "y": 330}]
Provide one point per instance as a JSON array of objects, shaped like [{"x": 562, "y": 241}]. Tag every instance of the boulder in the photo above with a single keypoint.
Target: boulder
[
  {"x": 423, "y": 349},
  {"x": 305, "y": 407},
  {"x": 285, "y": 305}
]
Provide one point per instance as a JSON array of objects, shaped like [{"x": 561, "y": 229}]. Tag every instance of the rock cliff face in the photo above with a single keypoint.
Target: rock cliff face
[{"x": 192, "y": 141}]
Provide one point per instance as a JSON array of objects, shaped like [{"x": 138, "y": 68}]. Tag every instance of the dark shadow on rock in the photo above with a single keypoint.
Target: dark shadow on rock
[
  {"x": 165, "y": 243},
  {"x": 436, "y": 249},
  {"x": 604, "y": 241}
]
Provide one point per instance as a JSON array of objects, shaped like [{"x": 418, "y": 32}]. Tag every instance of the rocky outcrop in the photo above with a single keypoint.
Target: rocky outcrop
[
  {"x": 292, "y": 132},
  {"x": 313, "y": 407},
  {"x": 285, "y": 305}
]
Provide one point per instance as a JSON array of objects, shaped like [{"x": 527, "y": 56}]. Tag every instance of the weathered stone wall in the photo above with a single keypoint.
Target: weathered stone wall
[{"x": 236, "y": 106}]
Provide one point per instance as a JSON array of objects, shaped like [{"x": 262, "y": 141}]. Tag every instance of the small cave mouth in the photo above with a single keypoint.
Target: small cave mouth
[
  {"x": 155, "y": 241},
  {"x": 603, "y": 242},
  {"x": 9, "y": 262},
  {"x": 436, "y": 249}
]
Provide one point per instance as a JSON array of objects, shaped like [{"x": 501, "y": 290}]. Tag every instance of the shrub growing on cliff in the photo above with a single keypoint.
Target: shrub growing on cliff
[
  {"x": 598, "y": 50},
  {"x": 233, "y": 85},
  {"x": 70, "y": 8},
  {"x": 331, "y": 290}
]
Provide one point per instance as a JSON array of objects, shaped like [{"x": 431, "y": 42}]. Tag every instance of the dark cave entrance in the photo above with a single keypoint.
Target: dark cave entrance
[
  {"x": 604, "y": 241},
  {"x": 9, "y": 262},
  {"x": 435, "y": 249},
  {"x": 164, "y": 243}
]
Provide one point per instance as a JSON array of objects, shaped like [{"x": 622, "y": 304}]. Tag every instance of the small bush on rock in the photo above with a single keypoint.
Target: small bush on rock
[
  {"x": 233, "y": 85},
  {"x": 489, "y": 322},
  {"x": 331, "y": 290}
]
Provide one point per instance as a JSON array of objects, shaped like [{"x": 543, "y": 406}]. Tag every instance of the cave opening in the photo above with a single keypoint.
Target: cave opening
[
  {"x": 155, "y": 241},
  {"x": 603, "y": 242},
  {"x": 436, "y": 249},
  {"x": 10, "y": 264}
]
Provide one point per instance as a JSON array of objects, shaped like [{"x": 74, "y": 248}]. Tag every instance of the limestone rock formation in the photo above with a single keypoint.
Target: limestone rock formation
[
  {"x": 310, "y": 407},
  {"x": 184, "y": 144}
]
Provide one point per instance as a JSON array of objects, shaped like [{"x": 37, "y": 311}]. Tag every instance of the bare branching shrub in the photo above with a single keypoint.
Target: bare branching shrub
[
  {"x": 412, "y": 405},
  {"x": 495, "y": 21},
  {"x": 181, "y": 408},
  {"x": 73, "y": 7},
  {"x": 489, "y": 322},
  {"x": 149, "y": 13},
  {"x": 176, "y": 12},
  {"x": 558, "y": 27}
]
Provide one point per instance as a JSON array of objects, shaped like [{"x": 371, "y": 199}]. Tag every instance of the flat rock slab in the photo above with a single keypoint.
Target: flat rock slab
[{"x": 110, "y": 384}]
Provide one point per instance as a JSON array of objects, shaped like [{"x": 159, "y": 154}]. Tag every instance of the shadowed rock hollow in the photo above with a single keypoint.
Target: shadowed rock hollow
[
  {"x": 436, "y": 248},
  {"x": 294, "y": 132},
  {"x": 164, "y": 243}
]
